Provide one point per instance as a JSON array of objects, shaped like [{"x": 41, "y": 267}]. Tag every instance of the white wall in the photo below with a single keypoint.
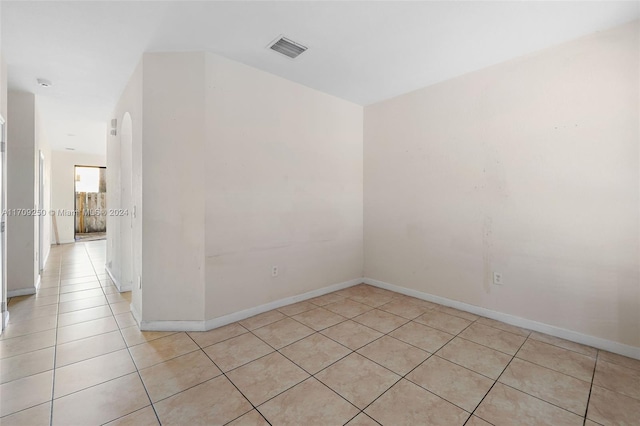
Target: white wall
[
  {"x": 283, "y": 187},
  {"x": 63, "y": 188},
  {"x": 21, "y": 232},
  {"x": 124, "y": 231},
  {"x": 529, "y": 168}
]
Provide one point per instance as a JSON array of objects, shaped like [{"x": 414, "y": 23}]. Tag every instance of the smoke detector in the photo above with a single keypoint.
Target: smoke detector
[
  {"x": 287, "y": 47},
  {"x": 43, "y": 82}
]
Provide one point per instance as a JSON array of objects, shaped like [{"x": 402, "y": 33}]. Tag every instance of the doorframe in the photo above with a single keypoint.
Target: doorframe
[
  {"x": 41, "y": 259},
  {"x": 75, "y": 198}
]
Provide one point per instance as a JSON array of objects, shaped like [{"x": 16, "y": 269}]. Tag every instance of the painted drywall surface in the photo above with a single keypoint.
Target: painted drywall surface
[
  {"x": 21, "y": 147},
  {"x": 3, "y": 112},
  {"x": 42, "y": 146},
  {"x": 130, "y": 104},
  {"x": 173, "y": 186},
  {"x": 283, "y": 187},
  {"x": 3, "y": 76},
  {"x": 3, "y": 87},
  {"x": 26, "y": 139},
  {"x": 528, "y": 168},
  {"x": 113, "y": 254},
  {"x": 63, "y": 188}
]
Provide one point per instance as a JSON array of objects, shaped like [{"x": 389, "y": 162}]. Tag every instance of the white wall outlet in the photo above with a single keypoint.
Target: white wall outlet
[
  {"x": 274, "y": 271},
  {"x": 497, "y": 278},
  {"x": 139, "y": 282}
]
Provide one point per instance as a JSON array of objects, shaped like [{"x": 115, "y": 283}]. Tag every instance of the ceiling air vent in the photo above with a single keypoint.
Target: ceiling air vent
[{"x": 287, "y": 47}]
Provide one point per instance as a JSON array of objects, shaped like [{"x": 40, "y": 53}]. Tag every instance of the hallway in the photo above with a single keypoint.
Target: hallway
[
  {"x": 79, "y": 323},
  {"x": 351, "y": 356}
]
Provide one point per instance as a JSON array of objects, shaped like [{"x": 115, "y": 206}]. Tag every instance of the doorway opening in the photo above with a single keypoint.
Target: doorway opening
[{"x": 90, "y": 203}]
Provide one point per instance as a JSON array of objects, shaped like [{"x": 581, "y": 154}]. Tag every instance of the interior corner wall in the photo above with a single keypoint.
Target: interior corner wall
[
  {"x": 173, "y": 183},
  {"x": 130, "y": 103},
  {"x": 283, "y": 187},
  {"x": 21, "y": 185},
  {"x": 529, "y": 168},
  {"x": 63, "y": 189}
]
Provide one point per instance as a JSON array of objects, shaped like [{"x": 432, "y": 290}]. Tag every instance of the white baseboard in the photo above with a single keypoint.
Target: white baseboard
[
  {"x": 240, "y": 315},
  {"x": 563, "y": 333},
  {"x": 115, "y": 281},
  {"x": 21, "y": 292},
  {"x": 5, "y": 318},
  {"x": 135, "y": 313},
  {"x": 38, "y": 283}
]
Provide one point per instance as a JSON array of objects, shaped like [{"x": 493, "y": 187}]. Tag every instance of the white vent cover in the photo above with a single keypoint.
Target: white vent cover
[{"x": 287, "y": 47}]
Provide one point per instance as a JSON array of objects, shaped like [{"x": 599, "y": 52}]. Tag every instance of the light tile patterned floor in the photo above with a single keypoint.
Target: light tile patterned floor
[{"x": 73, "y": 355}]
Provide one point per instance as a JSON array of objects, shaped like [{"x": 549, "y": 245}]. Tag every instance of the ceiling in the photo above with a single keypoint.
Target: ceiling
[{"x": 361, "y": 51}]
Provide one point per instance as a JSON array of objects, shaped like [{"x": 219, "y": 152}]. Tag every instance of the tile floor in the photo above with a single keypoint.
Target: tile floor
[{"x": 72, "y": 355}]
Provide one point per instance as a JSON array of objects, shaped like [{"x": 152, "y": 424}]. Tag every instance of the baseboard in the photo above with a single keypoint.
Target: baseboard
[
  {"x": 21, "y": 292},
  {"x": 38, "y": 283},
  {"x": 240, "y": 315},
  {"x": 5, "y": 318},
  {"x": 136, "y": 314},
  {"x": 115, "y": 281},
  {"x": 563, "y": 333},
  {"x": 193, "y": 325}
]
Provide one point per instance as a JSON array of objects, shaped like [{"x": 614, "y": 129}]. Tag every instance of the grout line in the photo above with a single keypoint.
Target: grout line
[
  {"x": 224, "y": 373},
  {"x": 414, "y": 368},
  {"x": 351, "y": 351},
  {"x": 287, "y": 358},
  {"x": 496, "y": 381},
  {"x": 593, "y": 376},
  {"x": 55, "y": 350},
  {"x": 126, "y": 346}
]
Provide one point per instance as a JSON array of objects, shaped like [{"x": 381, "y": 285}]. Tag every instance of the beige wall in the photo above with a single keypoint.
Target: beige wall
[
  {"x": 173, "y": 191},
  {"x": 21, "y": 182},
  {"x": 3, "y": 87},
  {"x": 283, "y": 187},
  {"x": 3, "y": 113},
  {"x": 529, "y": 168},
  {"x": 3, "y": 76},
  {"x": 63, "y": 187},
  {"x": 210, "y": 177},
  {"x": 26, "y": 138}
]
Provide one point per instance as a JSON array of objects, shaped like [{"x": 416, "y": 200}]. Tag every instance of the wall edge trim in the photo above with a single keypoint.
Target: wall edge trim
[
  {"x": 21, "y": 292},
  {"x": 115, "y": 281}
]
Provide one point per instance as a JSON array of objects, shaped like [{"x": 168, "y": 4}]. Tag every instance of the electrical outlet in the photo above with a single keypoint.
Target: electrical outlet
[
  {"x": 274, "y": 271},
  {"x": 497, "y": 278}
]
